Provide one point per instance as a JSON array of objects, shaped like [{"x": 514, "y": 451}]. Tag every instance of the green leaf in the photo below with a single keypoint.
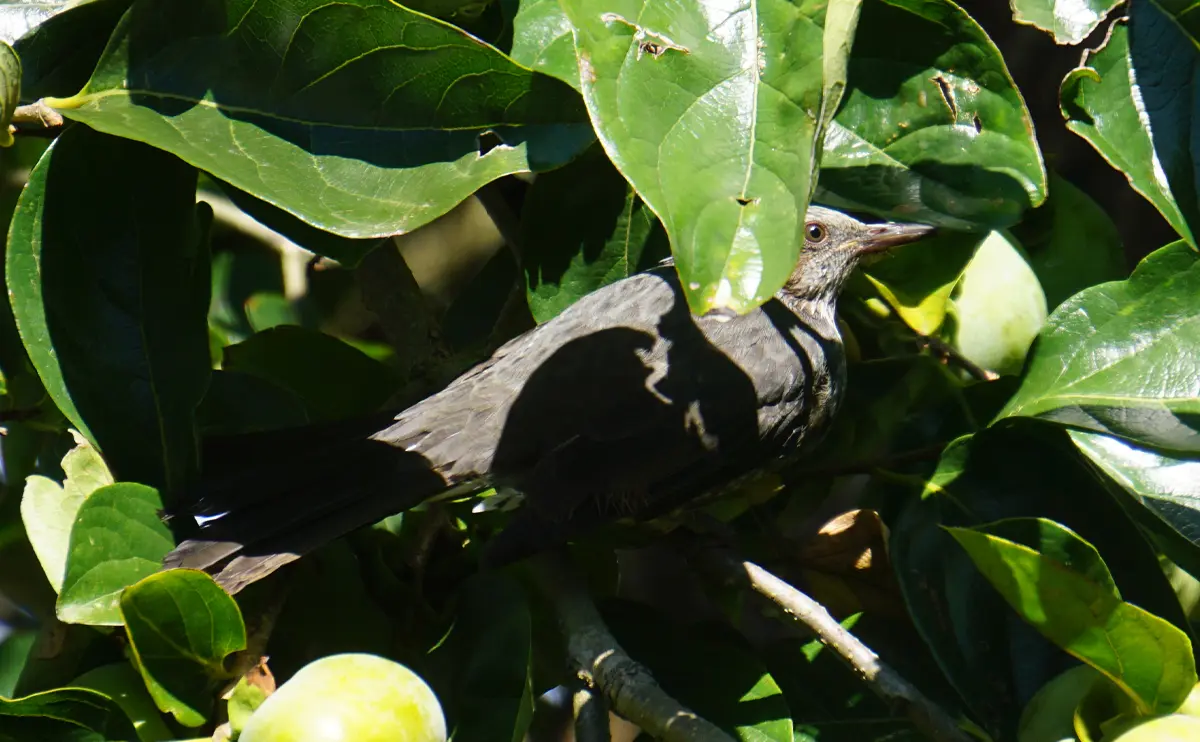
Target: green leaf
[
  {"x": 1069, "y": 21},
  {"x": 956, "y": 147},
  {"x": 242, "y": 403},
  {"x": 917, "y": 282},
  {"x": 1101, "y": 105},
  {"x": 117, "y": 540},
  {"x": 713, "y": 115},
  {"x": 542, "y": 40},
  {"x": 1108, "y": 358},
  {"x": 349, "y": 252},
  {"x": 1016, "y": 471},
  {"x": 583, "y": 227},
  {"x": 1166, "y": 486},
  {"x": 181, "y": 627},
  {"x": 1057, "y": 581},
  {"x": 1072, "y": 243},
  {"x": 109, "y": 284},
  {"x": 120, "y": 682},
  {"x": 10, "y": 90},
  {"x": 333, "y": 379},
  {"x": 712, "y": 674},
  {"x": 63, "y": 715},
  {"x": 490, "y": 646},
  {"x": 48, "y": 508},
  {"x": 59, "y": 54},
  {"x": 379, "y": 111},
  {"x": 998, "y": 306},
  {"x": 19, "y": 17}
]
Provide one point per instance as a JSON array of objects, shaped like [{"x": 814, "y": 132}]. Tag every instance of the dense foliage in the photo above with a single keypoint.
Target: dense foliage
[{"x": 261, "y": 215}]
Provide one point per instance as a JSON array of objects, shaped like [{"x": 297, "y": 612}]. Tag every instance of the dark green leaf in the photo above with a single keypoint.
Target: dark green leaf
[
  {"x": 1069, "y": 21},
  {"x": 243, "y": 403},
  {"x": 713, "y": 675},
  {"x": 1101, "y": 105},
  {"x": 333, "y": 379},
  {"x": 59, "y": 54},
  {"x": 48, "y": 508},
  {"x": 1058, "y": 583},
  {"x": 121, "y": 682},
  {"x": 379, "y": 112},
  {"x": 1072, "y": 243},
  {"x": 1108, "y": 358},
  {"x": 1167, "y": 486},
  {"x": 109, "y": 283},
  {"x": 1011, "y": 472},
  {"x": 714, "y": 115},
  {"x": 1049, "y": 715},
  {"x": 490, "y": 647},
  {"x": 542, "y": 40},
  {"x": 955, "y": 146},
  {"x": 268, "y": 309},
  {"x": 584, "y": 227},
  {"x": 117, "y": 540},
  {"x": 181, "y": 627},
  {"x": 63, "y": 715}
]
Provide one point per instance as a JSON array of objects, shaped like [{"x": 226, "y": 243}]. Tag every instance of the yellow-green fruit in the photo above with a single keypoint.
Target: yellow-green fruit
[
  {"x": 1173, "y": 728},
  {"x": 349, "y": 697},
  {"x": 1191, "y": 704}
]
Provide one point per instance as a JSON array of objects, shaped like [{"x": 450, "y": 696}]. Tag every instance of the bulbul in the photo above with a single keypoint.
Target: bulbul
[{"x": 624, "y": 405}]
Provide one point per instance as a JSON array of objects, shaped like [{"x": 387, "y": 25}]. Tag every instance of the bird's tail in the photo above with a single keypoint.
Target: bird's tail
[{"x": 269, "y": 498}]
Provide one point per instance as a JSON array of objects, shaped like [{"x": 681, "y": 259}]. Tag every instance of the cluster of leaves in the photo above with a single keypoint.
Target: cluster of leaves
[{"x": 203, "y": 250}]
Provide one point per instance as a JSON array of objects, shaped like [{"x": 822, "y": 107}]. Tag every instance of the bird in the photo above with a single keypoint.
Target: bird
[{"x": 624, "y": 405}]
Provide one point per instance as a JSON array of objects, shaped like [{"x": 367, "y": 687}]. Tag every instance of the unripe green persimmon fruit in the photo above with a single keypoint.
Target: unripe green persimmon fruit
[
  {"x": 1171, "y": 728},
  {"x": 349, "y": 698}
]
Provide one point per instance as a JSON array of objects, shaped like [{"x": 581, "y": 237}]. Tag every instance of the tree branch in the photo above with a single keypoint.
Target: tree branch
[
  {"x": 925, "y": 715},
  {"x": 604, "y": 666}
]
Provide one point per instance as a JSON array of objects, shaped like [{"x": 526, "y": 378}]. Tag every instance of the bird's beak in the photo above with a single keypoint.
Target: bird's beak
[{"x": 881, "y": 237}]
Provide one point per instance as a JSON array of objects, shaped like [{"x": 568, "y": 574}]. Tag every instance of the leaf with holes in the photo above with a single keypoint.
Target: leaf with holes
[
  {"x": 933, "y": 129},
  {"x": 181, "y": 627},
  {"x": 713, "y": 115},
  {"x": 1069, "y": 21},
  {"x": 1101, "y": 105},
  {"x": 388, "y": 117}
]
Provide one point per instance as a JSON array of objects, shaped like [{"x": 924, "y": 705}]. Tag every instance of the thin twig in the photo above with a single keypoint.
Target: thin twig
[
  {"x": 949, "y": 353},
  {"x": 603, "y": 665},
  {"x": 925, "y": 715},
  {"x": 37, "y": 115}
]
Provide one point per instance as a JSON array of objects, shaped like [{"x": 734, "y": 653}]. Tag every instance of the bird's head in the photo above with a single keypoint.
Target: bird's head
[{"x": 834, "y": 244}]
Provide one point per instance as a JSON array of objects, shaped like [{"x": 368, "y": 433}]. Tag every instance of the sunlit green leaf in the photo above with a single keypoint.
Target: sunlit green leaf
[
  {"x": 48, "y": 508},
  {"x": 1069, "y": 21},
  {"x": 379, "y": 113},
  {"x": 117, "y": 540},
  {"x": 181, "y": 627},
  {"x": 1057, "y": 581},
  {"x": 933, "y": 129},
  {"x": 542, "y": 40},
  {"x": 1100, "y": 103},
  {"x": 713, "y": 115},
  {"x": 121, "y": 682},
  {"x": 1109, "y": 358}
]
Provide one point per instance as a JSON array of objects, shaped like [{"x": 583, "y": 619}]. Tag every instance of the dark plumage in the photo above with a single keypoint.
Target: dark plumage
[{"x": 623, "y": 405}]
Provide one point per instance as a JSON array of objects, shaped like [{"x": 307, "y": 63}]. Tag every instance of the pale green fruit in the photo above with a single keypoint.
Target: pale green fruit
[
  {"x": 349, "y": 698},
  {"x": 1191, "y": 704},
  {"x": 1172, "y": 728},
  {"x": 1050, "y": 714}
]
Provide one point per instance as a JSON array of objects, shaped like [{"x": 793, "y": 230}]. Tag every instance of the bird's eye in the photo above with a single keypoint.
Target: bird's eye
[{"x": 815, "y": 232}]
